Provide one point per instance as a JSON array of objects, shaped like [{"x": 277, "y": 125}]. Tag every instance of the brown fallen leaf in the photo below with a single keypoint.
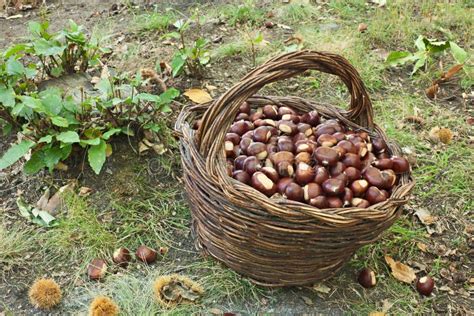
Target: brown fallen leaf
[
  {"x": 85, "y": 191},
  {"x": 108, "y": 150},
  {"x": 400, "y": 271},
  {"x": 425, "y": 216},
  {"x": 362, "y": 27},
  {"x": 43, "y": 200},
  {"x": 451, "y": 72},
  {"x": 377, "y": 314},
  {"x": 307, "y": 300},
  {"x": 321, "y": 288},
  {"x": 198, "y": 95},
  {"x": 432, "y": 91},
  {"x": 216, "y": 311},
  {"x": 423, "y": 247}
]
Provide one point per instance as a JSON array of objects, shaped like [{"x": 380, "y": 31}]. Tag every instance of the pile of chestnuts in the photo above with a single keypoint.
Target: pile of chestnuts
[{"x": 309, "y": 159}]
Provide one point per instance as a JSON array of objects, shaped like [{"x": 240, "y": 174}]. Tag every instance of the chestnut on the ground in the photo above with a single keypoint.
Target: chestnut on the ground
[
  {"x": 146, "y": 254},
  {"x": 366, "y": 278},
  {"x": 425, "y": 285}
]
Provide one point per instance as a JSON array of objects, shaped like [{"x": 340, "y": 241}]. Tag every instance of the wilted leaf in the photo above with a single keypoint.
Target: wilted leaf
[
  {"x": 425, "y": 216},
  {"x": 198, "y": 95},
  {"x": 432, "y": 91},
  {"x": 423, "y": 247},
  {"x": 57, "y": 199},
  {"x": 307, "y": 300},
  {"x": 400, "y": 271},
  {"x": 61, "y": 166},
  {"x": 415, "y": 120},
  {"x": 43, "y": 200},
  {"x": 321, "y": 288},
  {"x": 452, "y": 71}
]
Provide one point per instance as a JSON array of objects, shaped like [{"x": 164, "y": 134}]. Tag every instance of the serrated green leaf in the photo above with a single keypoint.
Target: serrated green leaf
[
  {"x": 59, "y": 121},
  {"x": 97, "y": 155},
  {"x": 14, "y": 153},
  {"x": 46, "y": 139},
  {"x": 148, "y": 97},
  {"x": 13, "y": 50},
  {"x": 14, "y": 67},
  {"x": 7, "y": 96},
  {"x": 177, "y": 64},
  {"x": 94, "y": 141},
  {"x": 111, "y": 132},
  {"x": 68, "y": 137},
  {"x": 459, "y": 54},
  {"x": 35, "y": 164}
]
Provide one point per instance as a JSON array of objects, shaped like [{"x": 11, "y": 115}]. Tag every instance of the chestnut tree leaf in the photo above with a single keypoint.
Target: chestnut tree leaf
[
  {"x": 401, "y": 271},
  {"x": 97, "y": 155},
  {"x": 198, "y": 95}
]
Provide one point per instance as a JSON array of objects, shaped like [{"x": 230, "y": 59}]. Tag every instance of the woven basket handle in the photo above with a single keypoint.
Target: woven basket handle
[{"x": 222, "y": 112}]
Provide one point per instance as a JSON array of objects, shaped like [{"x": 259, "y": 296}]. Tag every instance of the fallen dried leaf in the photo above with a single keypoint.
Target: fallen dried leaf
[
  {"x": 386, "y": 305},
  {"x": 198, "y": 95},
  {"x": 400, "y": 271},
  {"x": 85, "y": 191},
  {"x": 57, "y": 199},
  {"x": 307, "y": 300},
  {"x": 425, "y": 216},
  {"x": 423, "y": 247},
  {"x": 377, "y": 314},
  {"x": 216, "y": 311},
  {"x": 321, "y": 288},
  {"x": 362, "y": 27},
  {"x": 43, "y": 200},
  {"x": 432, "y": 91},
  {"x": 451, "y": 72}
]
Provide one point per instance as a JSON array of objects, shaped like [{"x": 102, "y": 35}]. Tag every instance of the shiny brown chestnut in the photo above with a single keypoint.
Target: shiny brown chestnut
[
  {"x": 285, "y": 169},
  {"x": 287, "y": 127},
  {"x": 304, "y": 173},
  {"x": 374, "y": 195},
  {"x": 321, "y": 174},
  {"x": 271, "y": 173},
  {"x": 425, "y": 285},
  {"x": 351, "y": 160},
  {"x": 400, "y": 164},
  {"x": 303, "y": 157},
  {"x": 291, "y": 117},
  {"x": 282, "y": 156},
  {"x": 271, "y": 111},
  {"x": 326, "y": 156},
  {"x": 262, "y": 183},
  {"x": 244, "y": 144},
  {"x": 241, "y": 176},
  {"x": 359, "y": 187},
  {"x": 312, "y": 118},
  {"x": 262, "y": 134},
  {"x": 285, "y": 110},
  {"x": 233, "y": 137},
  {"x": 242, "y": 117},
  {"x": 360, "y": 203},
  {"x": 282, "y": 183},
  {"x": 305, "y": 128},
  {"x": 347, "y": 197},
  {"x": 244, "y": 107},
  {"x": 294, "y": 192},
  {"x": 286, "y": 144},
  {"x": 374, "y": 177},
  {"x": 348, "y": 146},
  {"x": 320, "y": 202},
  {"x": 384, "y": 163},
  {"x": 333, "y": 187},
  {"x": 258, "y": 150},
  {"x": 379, "y": 145},
  {"x": 241, "y": 127},
  {"x": 337, "y": 169},
  {"x": 366, "y": 278},
  {"x": 121, "y": 257},
  {"x": 312, "y": 190},
  {"x": 352, "y": 173},
  {"x": 334, "y": 202},
  {"x": 146, "y": 254},
  {"x": 327, "y": 140},
  {"x": 251, "y": 165}
]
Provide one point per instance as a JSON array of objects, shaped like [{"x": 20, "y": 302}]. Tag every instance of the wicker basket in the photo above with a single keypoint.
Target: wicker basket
[{"x": 277, "y": 242}]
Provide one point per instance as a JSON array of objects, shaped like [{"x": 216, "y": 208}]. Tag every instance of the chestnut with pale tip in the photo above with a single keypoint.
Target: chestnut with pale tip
[
  {"x": 244, "y": 107},
  {"x": 347, "y": 146},
  {"x": 96, "y": 269},
  {"x": 121, "y": 256},
  {"x": 285, "y": 110},
  {"x": 374, "y": 195},
  {"x": 291, "y": 117},
  {"x": 285, "y": 169},
  {"x": 233, "y": 137},
  {"x": 374, "y": 177},
  {"x": 283, "y": 183},
  {"x": 262, "y": 134},
  {"x": 312, "y": 118},
  {"x": 321, "y": 174},
  {"x": 229, "y": 149},
  {"x": 304, "y": 174},
  {"x": 351, "y": 160},
  {"x": 333, "y": 187},
  {"x": 285, "y": 144},
  {"x": 334, "y": 202},
  {"x": 262, "y": 183},
  {"x": 339, "y": 136},
  {"x": 305, "y": 128},
  {"x": 319, "y": 202},
  {"x": 303, "y": 157},
  {"x": 425, "y": 285},
  {"x": 244, "y": 144},
  {"x": 326, "y": 156},
  {"x": 294, "y": 192},
  {"x": 271, "y": 111},
  {"x": 287, "y": 127},
  {"x": 270, "y": 173},
  {"x": 258, "y": 150},
  {"x": 360, "y": 203},
  {"x": 389, "y": 177},
  {"x": 282, "y": 156},
  {"x": 146, "y": 254},
  {"x": 352, "y": 173},
  {"x": 384, "y": 163},
  {"x": 400, "y": 164},
  {"x": 347, "y": 197},
  {"x": 258, "y": 115},
  {"x": 312, "y": 190},
  {"x": 379, "y": 145},
  {"x": 241, "y": 176},
  {"x": 337, "y": 169},
  {"x": 359, "y": 187},
  {"x": 242, "y": 117},
  {"x": 324, "y": 129},
  {"x": 241, "y": 127},
  {"x": 327, "y": 140},
  {"x": 239, "y": 162},
  {"x": 367, "y": 278},
  {"x": 251, "y": 165}
]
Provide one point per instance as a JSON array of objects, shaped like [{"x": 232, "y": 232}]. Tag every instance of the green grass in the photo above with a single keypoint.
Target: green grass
[
  {"x": 298, "y": 12},
  {"x": 154, "y": 21},
  {"x": 230, "y": 49},
  {"x": 14, "y": 244},
  {"x": 247, "y": 12}
]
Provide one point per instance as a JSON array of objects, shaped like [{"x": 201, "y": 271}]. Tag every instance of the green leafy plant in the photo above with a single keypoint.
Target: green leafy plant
[
  {"x": 53, "y": 125},
  {"x": 428, "y": 49},
  {"x": 254, "y": 39},
  {"x": 194, "y": 55}
]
